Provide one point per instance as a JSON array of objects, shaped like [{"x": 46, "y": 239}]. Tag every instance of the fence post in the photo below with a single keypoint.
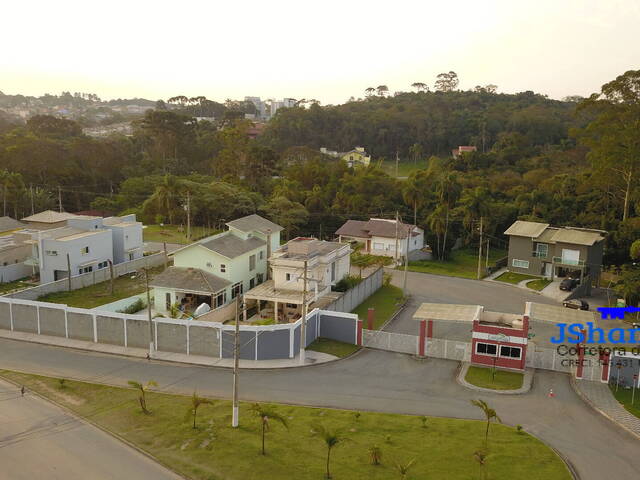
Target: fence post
[
  {"x": 11, "y": 314},
  {"x": 66, "y": 323},
  {"x": 124, "y": 322},
  {"x": 187, "y": 338},
  {"x": 359, "y": 336},
  {"x": 38, "y": 317},
  {"x": 95, "y": 329}
]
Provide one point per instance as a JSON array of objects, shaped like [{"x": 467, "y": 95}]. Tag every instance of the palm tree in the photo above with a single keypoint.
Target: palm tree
[
  {"x": 480, "y": 456},
  {"x": 437, "y": 226},
  {"x": 166, "y": 196},
  {"x": 331, "y": 438},
  {"x": 196, "y": 402},
  {"x": 403, "y": 468},
  {"x": 448, "y": 190},
  {"x": 369, "y": 91},
  {"x": 489, "y": 413},
  {"x": 476, "y": 205},
  {"x": 412, "y": 195},
  {"x": 415, "y": 151},
  {"x": 143, "y": 389},
  {"x": 265, "y": 414}
]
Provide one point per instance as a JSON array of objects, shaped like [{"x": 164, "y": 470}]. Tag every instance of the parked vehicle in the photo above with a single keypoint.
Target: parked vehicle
[
  {"x": 568, "y": 284},
  {"x": 576, "y": 304}
]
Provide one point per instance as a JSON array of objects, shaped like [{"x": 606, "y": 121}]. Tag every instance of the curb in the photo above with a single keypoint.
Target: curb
[
  {"x": 70, "y": 412},
  {"x": 586, "y": 400},
  {"x": 462, "y": 372}
]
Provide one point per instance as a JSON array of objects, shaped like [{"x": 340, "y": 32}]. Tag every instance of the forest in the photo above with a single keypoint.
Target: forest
[{"x": 562, "y": 162}]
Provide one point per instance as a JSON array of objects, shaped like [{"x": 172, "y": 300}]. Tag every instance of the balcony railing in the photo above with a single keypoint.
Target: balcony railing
[{"x": 568, "y": 261}]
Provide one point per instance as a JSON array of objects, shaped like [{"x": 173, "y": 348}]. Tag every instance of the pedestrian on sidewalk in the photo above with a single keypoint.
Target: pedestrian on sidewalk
[{"x": 22, "y": 389}]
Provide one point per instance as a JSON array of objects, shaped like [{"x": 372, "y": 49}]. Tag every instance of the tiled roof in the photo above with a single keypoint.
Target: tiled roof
[
  {"x": 8, "y": 223},
  {"x": 49, "y": 216},
  {"x": 189, "y": 279},
  {"x": 255, "y": 223},
  {"x": 576, "y": 236},
  {"x": 375, "y": 227},
  {"x": 231, "y": 246},
  {"x": 521, "y": 228}
]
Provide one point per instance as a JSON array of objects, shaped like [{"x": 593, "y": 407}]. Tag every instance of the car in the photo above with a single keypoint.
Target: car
[
  {"x": 576, "y": 304},
  {"x": 568, "y": 284}
]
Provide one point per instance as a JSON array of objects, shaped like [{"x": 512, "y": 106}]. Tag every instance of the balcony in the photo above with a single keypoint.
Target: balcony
[{"x": 568, "y": 261}]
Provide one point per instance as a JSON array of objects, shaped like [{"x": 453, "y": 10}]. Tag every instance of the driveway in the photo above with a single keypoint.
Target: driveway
[
  {"x": 371, "y": 380},
  {"x": 40, "y": 440}
]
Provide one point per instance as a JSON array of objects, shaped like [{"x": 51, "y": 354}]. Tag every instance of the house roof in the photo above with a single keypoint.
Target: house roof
[
  {"x": 302, "y": 248},
  {"x": 8, "y": 223},
  {"x": 547, "y": 235},
  {"x": 189, "y": 279},
  {"x": 254, "y": 223},
  {"x": 230, "y": 246},
  {"x": 576, "y": 236},
  {"x": 375, "y": 227},
  {"x": 521, "y": 228},
  {"x": 49, "y": 216},
  {"x": 448, "y": 312}
]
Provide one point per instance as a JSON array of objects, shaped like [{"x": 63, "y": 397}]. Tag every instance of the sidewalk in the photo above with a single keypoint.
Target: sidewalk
[
  {"x": 311, "y": 357},
  {"x": 599, "y": 396}
]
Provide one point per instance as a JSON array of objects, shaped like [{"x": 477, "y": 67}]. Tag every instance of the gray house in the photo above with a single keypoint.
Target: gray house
[{"x": 552, "y": 252}]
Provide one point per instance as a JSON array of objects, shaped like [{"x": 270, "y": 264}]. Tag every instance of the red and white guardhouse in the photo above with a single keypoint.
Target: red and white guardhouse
[{"x": 500, "y": 340}]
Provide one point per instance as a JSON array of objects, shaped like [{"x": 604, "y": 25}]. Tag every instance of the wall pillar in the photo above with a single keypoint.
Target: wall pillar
[
  {"x": 423, "y": 330},
  {"x": 371, "y": 312},
  {"x": 606, "y": 365},
  {"x": 359, "y": 338}
]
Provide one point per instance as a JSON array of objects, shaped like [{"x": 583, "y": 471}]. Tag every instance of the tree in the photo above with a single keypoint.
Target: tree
[
  {"x": 476, "y": 205},
  {"x": 489, "y": 413},
  {"x": 265, "y": 415},
  {"x": 634, "y": 251},
  {"x": 331, "y": 438},
  {"x": 612, "y": 134},
  {"x": 446, "y": 82},
  {"x": 375, "y": 455},
  {"x": 143, "y": 390},
  {"x": 415, "y": 151},
  {"x": 420, "y": 86},
  {"x": 166, "y": 197},
  {"x": 403, "y": 468},
  {"x": 629, "y": 284},
  {"x": 196, "y": 402},
  {"x": 290, "y": 215},
  {"x": 382, "y": 90},
  {"x": 412, "y": 195},
  {"x": 480, "y": 456},
  {"x": 369, "y": 91}
]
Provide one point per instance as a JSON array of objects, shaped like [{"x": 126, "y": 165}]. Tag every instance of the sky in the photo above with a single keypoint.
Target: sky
[{"x": 329, "y": 50}]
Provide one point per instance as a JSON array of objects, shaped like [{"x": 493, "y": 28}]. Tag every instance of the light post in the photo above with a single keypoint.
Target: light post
[
  {"x": 144, "y": 272},
  {"x": 619, "y": 367},
  {"x": 633, "y": 391}
]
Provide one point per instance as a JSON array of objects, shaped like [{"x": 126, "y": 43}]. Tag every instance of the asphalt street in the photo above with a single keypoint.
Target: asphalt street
[
  {"x": 370, "y": 380},
  {"x": 40, "y": 440}
]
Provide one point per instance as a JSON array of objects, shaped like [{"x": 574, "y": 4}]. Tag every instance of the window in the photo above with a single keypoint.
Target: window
[
  {"x": 252, "y": 283},
  {"x": 542, "y": 250},
  {"x": 511, "y": 352},
  {"x": 103, "y": 265},
  {"x": 53, "y": 253},
  {"x": 378, "y": 246},
  {"x": 84, "y": 250},
  {"x": 252, "y": 262},
  {"x": 287, "y": 277},
  {"x": 167, "y": 300},
  {"x": 209, "y": 264},
  {"x": 223, "y": 267},
  {"x": 236, "y": 289},
  {"x": 260, "y": 278},
  {"x": 486, "y": 348},
  {"x": 292, "y": 305},
  {"x": 333, "y": 271},
  {"x": 86, "y": 270},
  {"x": 261, "y": 254},
  {"x": 220, "y": 299},
  {"x": 131, "y": 256},
  {"x": 520, "y": 263}
]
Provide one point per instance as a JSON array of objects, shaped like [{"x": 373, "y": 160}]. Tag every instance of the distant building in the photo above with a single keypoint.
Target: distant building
[
  {"x": 357, "y": 156},
  {"x": 456, "y": 152},
  {"x": 378, "y": 236}
]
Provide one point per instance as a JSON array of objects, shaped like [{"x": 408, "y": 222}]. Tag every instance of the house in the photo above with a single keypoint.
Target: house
[
  {"x": 284, "y": 295},
  {"x": 456, "y": 152},
  {"x": 82, "y": 244},
  {"x": 357, "y": 156},
  {"x": 378, "y": 236},
  {"x": 14, "y": 252},
  {"x": 217, "y": 269},
  {"x": 542, "y": 250}
]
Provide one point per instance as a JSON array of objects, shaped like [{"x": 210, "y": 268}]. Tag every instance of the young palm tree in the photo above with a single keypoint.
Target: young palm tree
[
  {"x": 480, "y": 456},
  {"x": 375, "y": 455},
  {"x": 196, "y": 402},
  {"x": 265, "y": 414},
  {"x": 143, "y": 389},
  {"x": 403, "y": 468},
  {"x": 331, "y": 438},
  {"x": 489, "y": 413}
]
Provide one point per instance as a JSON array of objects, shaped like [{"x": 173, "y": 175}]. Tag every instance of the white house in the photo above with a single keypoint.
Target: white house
[
  {"x": 216, "y": 269},
  {"x": 327, "y": 263},
  {"x": 378, "y": 236}
]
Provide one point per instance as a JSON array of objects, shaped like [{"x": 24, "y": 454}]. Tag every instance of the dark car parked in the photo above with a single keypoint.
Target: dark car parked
[
  {"x": 576, "y": 304},
  {"x": 568, "y": 284}
]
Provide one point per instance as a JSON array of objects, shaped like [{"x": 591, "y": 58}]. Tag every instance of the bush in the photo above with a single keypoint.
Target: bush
[
  {"x": 135, "y": 307},
  {"x": 346, "y": 283}
]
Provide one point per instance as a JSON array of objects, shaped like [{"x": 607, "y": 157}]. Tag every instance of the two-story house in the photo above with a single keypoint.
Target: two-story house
[
  {"x": 379, "y": 236},
  {"x": 217, "y": 269},
  {"x": 539, "y": 249},
  {"x": 326, "y": 264},
  {"x": 357, "y": 156}
]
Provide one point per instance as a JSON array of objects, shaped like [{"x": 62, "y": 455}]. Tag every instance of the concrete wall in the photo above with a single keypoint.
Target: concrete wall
[
  {"x": 172, "y": 338},
  {"x": 339, "y": 327},
  {"x": 80, "y": 326},
  {"x": 52, "y": 321},
  {"x": 87, "y": 279},
  {"x": 137, "y": 333},
  {"x": 110, "y": 330},
  {"x": 358, "y": 294},
  {"x": 25, "y": 318},
  {"x": 204, "y": 341},
  {"x": 14, "y": 271}
]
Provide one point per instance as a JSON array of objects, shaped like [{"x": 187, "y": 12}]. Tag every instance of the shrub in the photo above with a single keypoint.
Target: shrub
[
  {"x": 346, "y": 283},
  {"x": 135, "y": 307},
  {"x": 375, "y": 455}
]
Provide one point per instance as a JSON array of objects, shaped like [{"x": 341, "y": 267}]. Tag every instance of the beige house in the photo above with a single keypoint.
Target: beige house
[
  {"x": 282, "y": 297},
  {"x": 48, "y": 219}
]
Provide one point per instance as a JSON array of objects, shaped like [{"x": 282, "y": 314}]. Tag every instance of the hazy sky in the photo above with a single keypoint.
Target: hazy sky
[{"x": 328, "y": 50}]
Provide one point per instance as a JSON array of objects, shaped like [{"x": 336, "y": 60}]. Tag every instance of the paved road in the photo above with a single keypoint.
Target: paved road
[
  {"x": 371, "y": 380},
  {"x": 39, "y": 440}
]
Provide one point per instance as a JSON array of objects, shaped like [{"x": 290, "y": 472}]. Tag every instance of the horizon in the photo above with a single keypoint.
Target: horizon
[{"x": 277, "y": 51}]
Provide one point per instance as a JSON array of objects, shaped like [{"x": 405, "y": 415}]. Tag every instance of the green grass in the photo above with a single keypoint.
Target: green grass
[
  {"x": 333, "y": 347},
  {"x": 624, "y": 397},
  {"x": 538, "y": 284},
  {"x": 214, "y": 450},
  {"x": 99, "y": 294},
  {"x": 514, "y": 278},
  {"x": 174, "y": 233},
  {"x": 385, "y": 301},
  {"x": 15, "y": 285},
  {"x": 405, "y": 167},
  {"x": 503, "y": 380},
  {"x": 461, "y": 263}
]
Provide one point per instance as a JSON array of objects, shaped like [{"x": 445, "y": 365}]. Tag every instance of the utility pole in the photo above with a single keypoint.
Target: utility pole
[
  {"x": 188, "y": 215},
  {"x": 268, "y": 255},
  {"x": 68, "y": 270},
  {"x": 111, "y": 275},
  {"x": 303, "y": 329},
  {"x": 397, "y": 160},
  {"x": 236, "y": 364},
  {"x": 33, "y": 210},
  {"x": 151, "y": 336},
  {"x": 59, "y": 198},
  {"x": 406, "y": 263},
  {"x": 320, "y": 236},
  {"x": 396, "y": 250},
  {"x": 486, "y": 264},
  {"x": 480, "y": 251}
]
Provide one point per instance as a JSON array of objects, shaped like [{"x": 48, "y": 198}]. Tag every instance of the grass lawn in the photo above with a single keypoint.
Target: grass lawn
[
  {"x": 405, "y": 167},
  {"x": 538, "y": 284},
  {"x": 333, "y": 347},
  {"x": 174, "y": 233},
  {"x": 504, "y": 380},
  {"x": 386, "y": 301},
  {"x": 624, "y": 397},
  {"x": 512, "y": 277},
  {"x": 444, "y": 449},
  {"x": 461, "y": 263},
  {"x": 15, "y": 285},
  {"x": 99, "y": 294}
]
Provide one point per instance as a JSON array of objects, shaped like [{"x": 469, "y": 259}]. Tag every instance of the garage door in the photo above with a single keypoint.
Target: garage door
[{"x": 570, "y": 257}]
